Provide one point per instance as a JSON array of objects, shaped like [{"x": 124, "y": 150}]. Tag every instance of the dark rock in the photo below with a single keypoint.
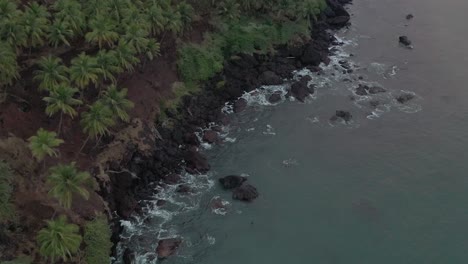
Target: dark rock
[
  {"x": 300, "y": 89},
  {"x": 405, "y": 98},
  {"x": 339, "y": 21},
  {"x": 270, "y": 78},
  {"x": 167, "y": 247},
  {"x": 409, "y": 16},
  {"x": 376, "y": 90},
  {"x": 172, "y": 179},
  {"x": 161, "y": 203},
  {"x": 232, "y": 181},
  {"x": 128, "y": 256},
  {"x": 196, "y": 162},
  {"x": 274, "y": 98},
  {"x": 126, "y": 206},
  {"x": 374, "y": 103},
  {"x": 345, "y": 115},
  {"x": 246, "y": 193},
  {"x": 405, "y": 41},
  {"x": 240, "y": 105},
  {"x": 210, "y": 136},
  {"x": 183, "y": 189},
  {"x": 217, "y": 203},
  {"x": 191, "y": 139},
  {"x": 312, "y": 55},
  {"x": 361, "y": 90}
]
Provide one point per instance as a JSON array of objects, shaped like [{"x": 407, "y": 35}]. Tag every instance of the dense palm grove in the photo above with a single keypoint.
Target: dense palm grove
[{"x": 105, "y": 39}]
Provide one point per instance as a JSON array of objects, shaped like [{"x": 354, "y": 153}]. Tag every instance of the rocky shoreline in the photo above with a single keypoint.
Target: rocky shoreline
[{"x": 176, "y": 145}]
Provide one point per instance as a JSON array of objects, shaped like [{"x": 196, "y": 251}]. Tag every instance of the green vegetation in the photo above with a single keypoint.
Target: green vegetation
[
  {"x": 97, "y": 120},
  {"x": 59, "y": 240},
  {"x": 97, "y": 238},
  {"x": 44, "y": 143},
  {"x": 117, "y": 101},
  {"x": 19, "y": 260},
  {"x": 6, "y": 189},
  {"x": 66, "y": 180}
]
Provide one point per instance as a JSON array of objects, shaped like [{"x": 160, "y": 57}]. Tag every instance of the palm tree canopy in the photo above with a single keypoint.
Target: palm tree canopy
[
  {"x": 70, "y": 13},
  {"x": 108, "y": 64},
  {"x": 126, "y": 56},
  {"x": 117, "y": 101},
  {"x": 8, "y": 64},
  {"x": 13, "y": 32},
  {"x": 84, "y": 70},
  {"x": 61, "y": 99},
  {"x": 59, "y": 239},
  {"x": 97, "y": 120},
  {"x": 136, "y": 35},
  {"x": 103, "y": 31},
  {"x": 44, "y": 144},
  {"x": 51, "y": 72},
  {"x": 59, "y": 33},
  {"x": 67, "y": 180},
  {"x": 36, "y": 23}
]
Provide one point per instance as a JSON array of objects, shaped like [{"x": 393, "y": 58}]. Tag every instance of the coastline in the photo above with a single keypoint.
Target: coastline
[{"x": 174, "y": 146}]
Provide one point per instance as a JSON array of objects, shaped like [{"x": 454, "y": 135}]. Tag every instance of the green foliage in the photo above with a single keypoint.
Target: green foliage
[
  {"x": 59, "y": 240},
  {"x": 117, "y": 101},
  {"x": 84, "y": 71},
  {"x": 200, "y": 62},
  {"x": 8, "y": 64},
  {"x": 97, "y": 120},
  {"x": 97, "y": 237},
  {"x": 103, "y": 31},
  {"x": 44, "y": 143},
  {"x": 60, "y": 32},
  {"x": 61, "y": 100},
  {"x": 6, "y": 207},
  {"x": 126, "y": 56},
  {"x": 36, "y": 24},
  {"x": 108, "y": 64},
  {"x": 51, "y": 72},
  {"x": 65, "y": 180}
]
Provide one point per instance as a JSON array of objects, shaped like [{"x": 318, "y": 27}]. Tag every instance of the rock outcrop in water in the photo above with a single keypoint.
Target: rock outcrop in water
[
  {"x": 405, "y": 41},
  {"x": 167, "y": 247},
  {"x": 301, "y": 89},
  {"x": 363, "y": 90},
  {"x": 344, "y": 115},
  {"x": 232, "y": 181},
  {"x": 245, "y": 192},
  {"x": 404, "y": 98}
]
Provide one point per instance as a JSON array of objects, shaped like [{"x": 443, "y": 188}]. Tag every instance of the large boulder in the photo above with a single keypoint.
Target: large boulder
[
  {"x": 345, "y": 115},
  {"x": 232, "y": 181},
  {"x": 245, "y": 192},
  {"x": 128, "y": 256},
  {"x": 312, "y": 55},
  {"x": 167, "y": 247},
  {"x": 404, "y": 98},
  {"x": 300, "y": 89},
  {"x": 270, "y": 78},
  {"x": 275, "y": 97},
  {"x": 405, "y": 41},
  {"x": 191, "y": 139},
  {"x": 210, "y": 136},
  {"x": 240, "y": 105},
  {"x": 196, "y": 162},
  {"x": 339, "y": 21}
]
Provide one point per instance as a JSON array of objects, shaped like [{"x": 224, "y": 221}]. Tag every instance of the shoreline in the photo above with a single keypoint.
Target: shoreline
[{"x": 176, "y": 145}]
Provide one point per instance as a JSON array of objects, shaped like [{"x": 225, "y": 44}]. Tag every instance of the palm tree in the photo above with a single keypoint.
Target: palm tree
[
  {"x": 155, "y": 17},
  {"x": 136, "y": 36},
  {"x": 67, "y": 180},
  {"x": 62, "y": 100},
  {"x": 84, "y": 70},
  {"x": 152, "y": 49},
  {"x": 59, "y": 239},
  {"x": 8, "y": 64},
  {"x": 59, "y": 33},
  {"x": 118, "y": 102},
  {"x": 103, "y": 31},
  {"x": 36, "y": 23},
  {"x": 8, "y": 10},
  {"x": 44, "y": 143},
  {"x": 173, "y": 21},
  {"x": 186, "y": 12},
  {"x": 97, "y": 120},
  {"x": 70, "y": 12},
  {"x": 13, "y": 32},
  {"x": 51, "y": 72},
  {"x": 126, "y": 56},
  {"x": 108, "y": 64}
]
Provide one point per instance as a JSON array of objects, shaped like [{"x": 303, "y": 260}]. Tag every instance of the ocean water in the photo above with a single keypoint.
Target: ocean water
[{"x": 388, "y": 187}]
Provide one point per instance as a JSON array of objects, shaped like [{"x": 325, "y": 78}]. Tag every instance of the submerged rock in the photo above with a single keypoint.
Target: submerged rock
[
  {"x": 240, "y": 105},
  {"x": 183, "y": 188},
  {"x": 167, "y": 247},
  {"x": 376, "y": 90},
  {"x": 405, "y": 98},
  {"x": 345, "y": 115},
  {"x": 210, "y": 136},
  {"x": 405, "y": 41},
  {"x": 274, "y": 98},
  {"x": 232, "y": 181},
  {"x": 172, "y": 179},
  {"x": 245, "y": 192},
  {"x": 363, "y": 90},
  {"x": 409, "y": 16},
  {"x": 300, "y": 89},
  {"x": 128, "y": 256}
]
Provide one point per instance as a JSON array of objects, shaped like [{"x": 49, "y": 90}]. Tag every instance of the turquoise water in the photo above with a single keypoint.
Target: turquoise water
[{"x": 391, "y": 187}]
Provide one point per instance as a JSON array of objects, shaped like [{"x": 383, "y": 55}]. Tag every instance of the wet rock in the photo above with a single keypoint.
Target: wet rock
[
  {"x": 246, "y": 193},
  {"x": 128, "y": 256},
  {"x": 300, "y": 90},
  {"x": 409, "y": 16},
  {"x": 312, "y": 55},
  {"x": 160, "y": 203},
  {"x": 361, "y": 90},
  {"x": 404, "y": 98},
  {"x": 374, "y": 103},
  {"x": 340, "y": 21},
  {"x": 240, "y": 105},
  {"x": 183, "y": 188},
  {"x": 232, "y": 181},
  {"x": 172, "y": 179},
  {"x": 376, "y": 90},
  {"x": 345, "y": 115},
  {"x": 126, "y": 206},
  {"x": 210, "y": 136},
  {"x": 270, "y": 78},
  {"x": 196, "y": 162},
  {"x": 167, "y": 247},
  {"x": 274, "y": 98},
  {"x": 405, "y": 41},
  {"x": 191, "y": 139},
  {"x": 217, "y": 203}
]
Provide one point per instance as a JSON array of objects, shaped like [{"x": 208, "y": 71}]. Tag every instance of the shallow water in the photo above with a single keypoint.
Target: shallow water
[{"x": 389, "y": 187}]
